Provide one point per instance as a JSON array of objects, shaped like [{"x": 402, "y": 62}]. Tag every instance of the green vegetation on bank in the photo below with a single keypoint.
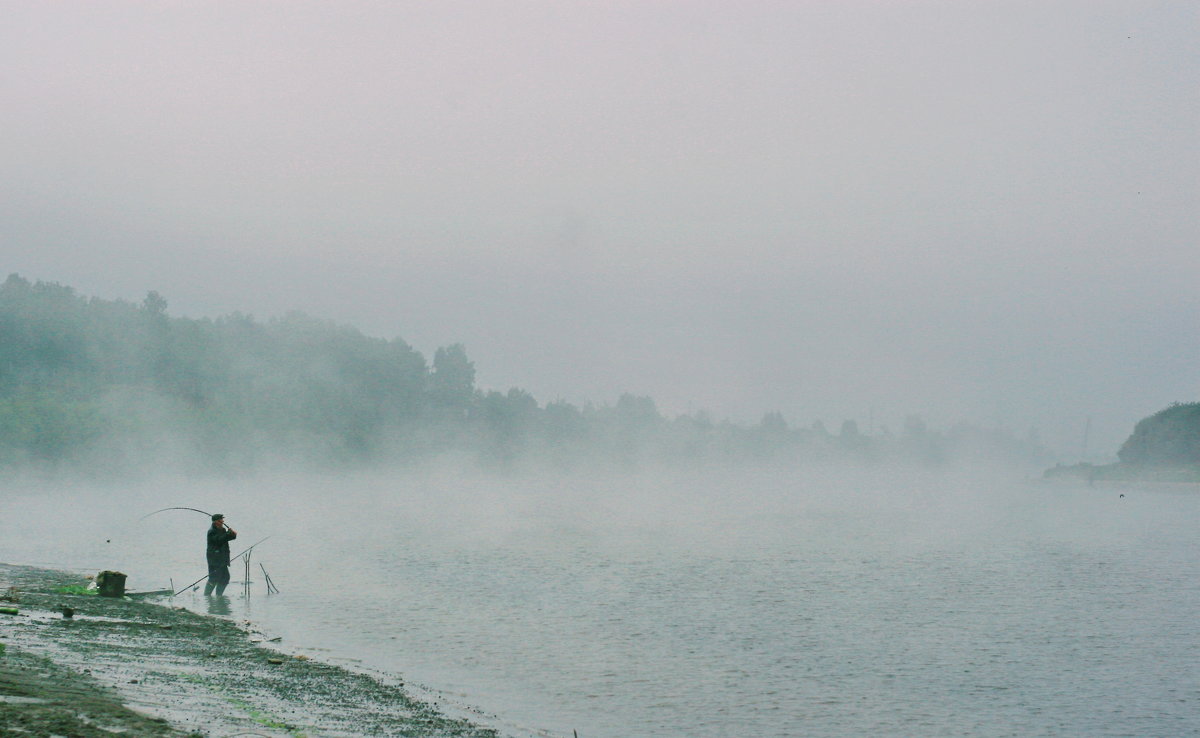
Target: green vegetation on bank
[
  {"x": 78, "y": 589},
  {"x": 110, "y": 386}
]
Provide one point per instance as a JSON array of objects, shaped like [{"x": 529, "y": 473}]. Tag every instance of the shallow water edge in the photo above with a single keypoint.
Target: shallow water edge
[{"x": 123, "y": 665}]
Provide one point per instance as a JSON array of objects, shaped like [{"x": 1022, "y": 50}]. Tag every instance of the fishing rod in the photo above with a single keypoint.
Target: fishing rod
[
  {"x": 156, "y": 512},
  {"x": 231, "y": 558}
]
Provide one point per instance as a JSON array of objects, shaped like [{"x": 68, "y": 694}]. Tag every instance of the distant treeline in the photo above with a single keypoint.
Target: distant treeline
[
  {"x": 1168, "y": 438},
  {"x": 1164, "y": 447},
  {"x": 113, "y": 386}
]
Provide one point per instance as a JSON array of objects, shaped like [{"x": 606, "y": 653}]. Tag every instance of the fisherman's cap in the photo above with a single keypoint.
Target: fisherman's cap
[{"x": 218, "y": 516}]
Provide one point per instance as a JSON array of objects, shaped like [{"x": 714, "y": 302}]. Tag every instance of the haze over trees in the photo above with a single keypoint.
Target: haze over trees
[
  {"x": 1170, "y": 437},
  {"x": 110, "y": 386},
  {"x": 1164, "y": 447}
]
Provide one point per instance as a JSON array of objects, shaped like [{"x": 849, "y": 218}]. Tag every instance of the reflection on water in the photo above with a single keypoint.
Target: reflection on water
[
  {"x": 771, "y": 606},
  {"x": 217, "y": 605}
]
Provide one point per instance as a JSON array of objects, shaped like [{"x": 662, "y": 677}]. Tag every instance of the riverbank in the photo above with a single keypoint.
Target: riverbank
[
  {"x": 132, "y": 667},
  {"x": 1180, "y": 476}
]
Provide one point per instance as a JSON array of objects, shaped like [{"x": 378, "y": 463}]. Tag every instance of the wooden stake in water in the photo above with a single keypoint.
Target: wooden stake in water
[
  {"x": 246, "y": 580},
  {"x": 271, "y": 588}
]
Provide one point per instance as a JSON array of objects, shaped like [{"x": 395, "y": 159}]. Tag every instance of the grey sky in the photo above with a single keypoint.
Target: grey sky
[{"x": 968, "y": 210}]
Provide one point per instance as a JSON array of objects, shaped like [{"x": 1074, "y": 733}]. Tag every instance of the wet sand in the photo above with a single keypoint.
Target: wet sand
[{"x": 140, "y": 668}]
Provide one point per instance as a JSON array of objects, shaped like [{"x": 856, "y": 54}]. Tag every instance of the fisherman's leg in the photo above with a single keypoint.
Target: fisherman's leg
[
  {"x": 222, "y": 580},
  {"x": 214, "y": 578}
]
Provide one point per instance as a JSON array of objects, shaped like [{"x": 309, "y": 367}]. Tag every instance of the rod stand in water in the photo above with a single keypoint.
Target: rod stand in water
[
  {"x": 246, "y": 578},
  {"x": 271, "y": 588},
  {"x": 231, "y": 558}
]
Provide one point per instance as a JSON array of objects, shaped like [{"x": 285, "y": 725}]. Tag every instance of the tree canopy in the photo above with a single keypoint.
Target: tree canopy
[
  {"x": 1170, "y": 437},
  {"x": 113, "y": 386}
]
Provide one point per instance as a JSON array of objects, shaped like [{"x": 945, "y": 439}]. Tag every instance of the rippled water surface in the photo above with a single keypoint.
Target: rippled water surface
[{"x": 716, "y": 604}]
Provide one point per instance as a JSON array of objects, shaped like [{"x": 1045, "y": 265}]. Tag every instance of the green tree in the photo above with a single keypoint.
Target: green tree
[
  {"x": 1170, "y": 437},
  {"x": 452, "y": 384}
]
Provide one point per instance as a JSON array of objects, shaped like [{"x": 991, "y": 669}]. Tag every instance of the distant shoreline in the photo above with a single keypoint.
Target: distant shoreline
[
  {"x": 1131, "y": 475},
  {"x": 1120, "y": 484},
  {"x": 151, "y": 669},
  {"x": 1135, "y": 484}
]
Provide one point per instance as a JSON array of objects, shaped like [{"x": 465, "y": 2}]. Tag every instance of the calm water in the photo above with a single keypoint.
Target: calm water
[{"x": 772, "y": 604}]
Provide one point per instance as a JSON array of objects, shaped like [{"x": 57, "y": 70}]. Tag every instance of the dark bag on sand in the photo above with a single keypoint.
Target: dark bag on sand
[{"x": 111, "y": 583}]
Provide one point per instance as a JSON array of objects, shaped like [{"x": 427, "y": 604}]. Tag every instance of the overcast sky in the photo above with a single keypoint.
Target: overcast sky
[{"x": 981, "y": 211}]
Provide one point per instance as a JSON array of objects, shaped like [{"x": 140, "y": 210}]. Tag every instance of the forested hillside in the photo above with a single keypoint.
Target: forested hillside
[
  {"x": 110, "y": 386},
  {"x": 1170, "y": 437},
  {"x": 1164, "y": 447}
]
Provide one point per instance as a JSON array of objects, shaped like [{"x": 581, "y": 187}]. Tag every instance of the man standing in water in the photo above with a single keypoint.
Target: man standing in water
[{"x": 219, "y": 536}]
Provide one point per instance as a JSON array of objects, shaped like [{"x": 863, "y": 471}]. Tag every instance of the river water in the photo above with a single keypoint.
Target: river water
[{"x": 712, "y": 603}]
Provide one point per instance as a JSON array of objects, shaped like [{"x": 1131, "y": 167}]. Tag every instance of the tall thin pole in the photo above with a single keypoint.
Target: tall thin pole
[
  {"x": 246, "y": 580},
  {"x": 271, "y": 588}
]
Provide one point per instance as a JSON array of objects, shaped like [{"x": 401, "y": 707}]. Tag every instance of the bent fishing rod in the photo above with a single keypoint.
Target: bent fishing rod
[
  {"x": 156, "y": 512},
  {"x": 231, "y": 558}
]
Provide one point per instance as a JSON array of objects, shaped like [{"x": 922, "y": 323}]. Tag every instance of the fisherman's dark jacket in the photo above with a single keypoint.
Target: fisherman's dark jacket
[{"x": 218, "y": 546}]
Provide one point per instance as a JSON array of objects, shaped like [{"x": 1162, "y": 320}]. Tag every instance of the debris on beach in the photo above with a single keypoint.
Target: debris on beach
[{"x": 111, "y": 583}]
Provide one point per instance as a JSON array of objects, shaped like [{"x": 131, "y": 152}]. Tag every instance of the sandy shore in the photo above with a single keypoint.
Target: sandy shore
[{"x": 139, "y": 668}]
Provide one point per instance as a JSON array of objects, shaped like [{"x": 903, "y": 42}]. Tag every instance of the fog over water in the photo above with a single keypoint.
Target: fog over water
[
  {"x": 889, "y": 217},
  {"x": 780, "y": 602},
  {"x": 855, "y": 210}
]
